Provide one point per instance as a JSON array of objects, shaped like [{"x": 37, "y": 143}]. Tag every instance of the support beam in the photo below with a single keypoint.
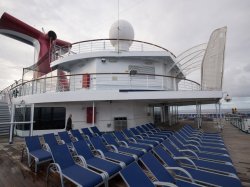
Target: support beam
[{"x": 12, "y": 123}]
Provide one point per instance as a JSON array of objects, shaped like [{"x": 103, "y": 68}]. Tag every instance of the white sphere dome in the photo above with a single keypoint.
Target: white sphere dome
[{"x": 126, "y": 31}]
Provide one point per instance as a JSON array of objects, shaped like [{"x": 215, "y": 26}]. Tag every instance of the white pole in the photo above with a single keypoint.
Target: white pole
[
  {"x": 93, "y": 114},
  {"x": 12, "y": 123},
  {"x": 31, "y": 119}
]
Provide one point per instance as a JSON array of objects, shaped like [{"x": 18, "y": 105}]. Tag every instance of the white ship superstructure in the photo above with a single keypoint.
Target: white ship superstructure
[{"x": 112, "y": 83}]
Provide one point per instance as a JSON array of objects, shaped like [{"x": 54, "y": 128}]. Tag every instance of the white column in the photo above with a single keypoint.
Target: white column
[
  {"x": 12, "y": 123},
  {"x": 93, "y": 113},
  {"x": 32, "y": 107}
]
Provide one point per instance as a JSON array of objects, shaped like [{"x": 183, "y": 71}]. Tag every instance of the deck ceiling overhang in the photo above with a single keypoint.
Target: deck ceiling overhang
[{"x": 179, "y": 98}]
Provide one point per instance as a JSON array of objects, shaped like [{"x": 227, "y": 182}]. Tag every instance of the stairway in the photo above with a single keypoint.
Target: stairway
[{"x": 4, "y": 117}]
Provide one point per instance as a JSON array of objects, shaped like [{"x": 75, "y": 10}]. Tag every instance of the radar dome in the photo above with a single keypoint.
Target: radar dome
[{"x": 126, "y": 31}]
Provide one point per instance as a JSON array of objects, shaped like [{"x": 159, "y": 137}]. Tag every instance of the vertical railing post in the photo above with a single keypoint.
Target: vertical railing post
[
  {"x": 93, "y": 114},
  {"x": 31, "y": 119}
]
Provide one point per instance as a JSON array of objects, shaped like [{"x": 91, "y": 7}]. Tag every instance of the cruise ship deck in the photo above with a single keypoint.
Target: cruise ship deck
[{"x": 15, "y": 172}]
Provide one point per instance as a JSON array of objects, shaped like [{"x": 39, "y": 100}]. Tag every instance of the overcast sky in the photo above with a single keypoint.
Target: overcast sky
[{"x": 174, "y": 24}]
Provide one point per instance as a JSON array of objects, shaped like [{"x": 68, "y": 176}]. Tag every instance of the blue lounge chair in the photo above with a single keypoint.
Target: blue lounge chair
[
  {"x": 96, "y": 131},
  {"x": 144, "y": 136},
  {"x": 214, "y": 145},
  {"x": 105, "y": 153},
  {"x": 111, "y": 141},
  {"x": 51, "y": 140},
  {"x": 126, "y": 142},
  {"x": 137, "y": 139},
  {"x": 64, "y": 135},
  {"x": 76, "y": 133},
  {"x": 67, "y": 168},
  {"x": 97, "y": 163},
  {"x": 200, "y": 176},
  {"x": 157, "y": 130},
  {"x": 88, "y": 133},
  {"x": 200, "y": 138},
  {"x": 210, "y": 150},
  {"x": 202, "y": 154},
  {"x": 160, "y": 172},
  {"x": 151, "y": 134},
  {"x": 133, "y": 170},
  {"x": 201, "y": 164},
  {"x": 35, "y": 150},
  {"x": 201, "y": 133}
]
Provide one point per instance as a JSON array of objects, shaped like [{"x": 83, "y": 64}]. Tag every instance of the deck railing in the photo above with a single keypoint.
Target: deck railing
[
  {"x": 241, "y": 121},
  {"x": 103, "y": 81},
  {"x": 98, "y": 45}
]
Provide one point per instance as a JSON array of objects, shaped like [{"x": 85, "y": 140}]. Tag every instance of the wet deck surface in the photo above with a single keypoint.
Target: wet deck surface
[{"x": 15, "y": 173}]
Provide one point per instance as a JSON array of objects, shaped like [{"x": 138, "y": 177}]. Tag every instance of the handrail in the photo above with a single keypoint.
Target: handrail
[
  {"x": 145, "y": 74},
  {"x": 115, "y": 39}
]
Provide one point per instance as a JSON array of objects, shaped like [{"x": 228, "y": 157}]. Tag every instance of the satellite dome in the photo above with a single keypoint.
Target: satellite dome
[{"x": 126, "y": 31}]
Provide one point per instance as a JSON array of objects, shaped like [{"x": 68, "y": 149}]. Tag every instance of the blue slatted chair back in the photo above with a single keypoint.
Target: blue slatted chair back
[
  {"x": 76, "y": 133},
  {"x": 33, "y": 143},
  {"x": 62, "y": 156},
  {"x": 171, "y": 148},
  {"x": 145, "y": 128},
  {"x": 176, "y": 142},
  {"x": 96, "y": 130},
  {"x": 134, "y": 176},
  {"x": 87, "y": 132},
  {"x": 165, "y": 157},
  {"x": 156, "y": 168},
  {"x": 110, "y": 140},
  {"x": 83, "y": 149},
  {"x": 120, "y": 136},
  {"x": 50, "y": 139},
  {"x": 98, "y": 144},
  {"x": 149, "y": 126},
  {"x": 127, "y": 133},
  {"x": 140, "y": 129},
  {"x": 135, "y": 131},
  {"x": 65, "y": 137}
]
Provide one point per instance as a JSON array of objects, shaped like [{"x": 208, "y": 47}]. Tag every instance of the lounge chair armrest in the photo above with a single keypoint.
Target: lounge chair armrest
[
  {"x": 183, "y": 171},
  {"x": 46, "y": 146},
  {"x": 194, "y": 146},
  {"x": 194, "y": 141},
  {"x": 158, "y": 183},
  {"x": 96, "y": 134},
  {"x": 81, "y": 159},
  {"x": 149, "y": 132},
  {"x": 112, "y": 147},
  {"x": 153, "y": 130},
  {"x": 190, "y": 151},
  {"x": 123, "y": 143},
  {"x": 133, "y": 140},
  {"x": 187, "y": 159},
  {"x": 145, "y": 134},
  {"x": 98, "y": 151},
  {"x": 61, "y": 142},
  {"x": 139, "y": 136},
  {"x": 57, "y": 168}
]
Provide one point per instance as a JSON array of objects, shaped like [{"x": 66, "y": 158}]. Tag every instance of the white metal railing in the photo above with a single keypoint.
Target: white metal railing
[
  {"x": 240, "y": 121},
  {"x": 98, "y": 45},
  {"x": 103, "y": 81}
]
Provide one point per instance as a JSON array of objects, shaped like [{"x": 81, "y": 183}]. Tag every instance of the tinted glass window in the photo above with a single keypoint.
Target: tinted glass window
[{"x": 49, "y": 118}]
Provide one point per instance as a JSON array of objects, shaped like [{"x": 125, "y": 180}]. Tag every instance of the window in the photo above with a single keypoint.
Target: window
[{"x": 49, "y": 118}]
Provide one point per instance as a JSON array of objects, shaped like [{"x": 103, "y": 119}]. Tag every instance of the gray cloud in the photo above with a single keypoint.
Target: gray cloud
[{"x": 175, "y": 25}]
